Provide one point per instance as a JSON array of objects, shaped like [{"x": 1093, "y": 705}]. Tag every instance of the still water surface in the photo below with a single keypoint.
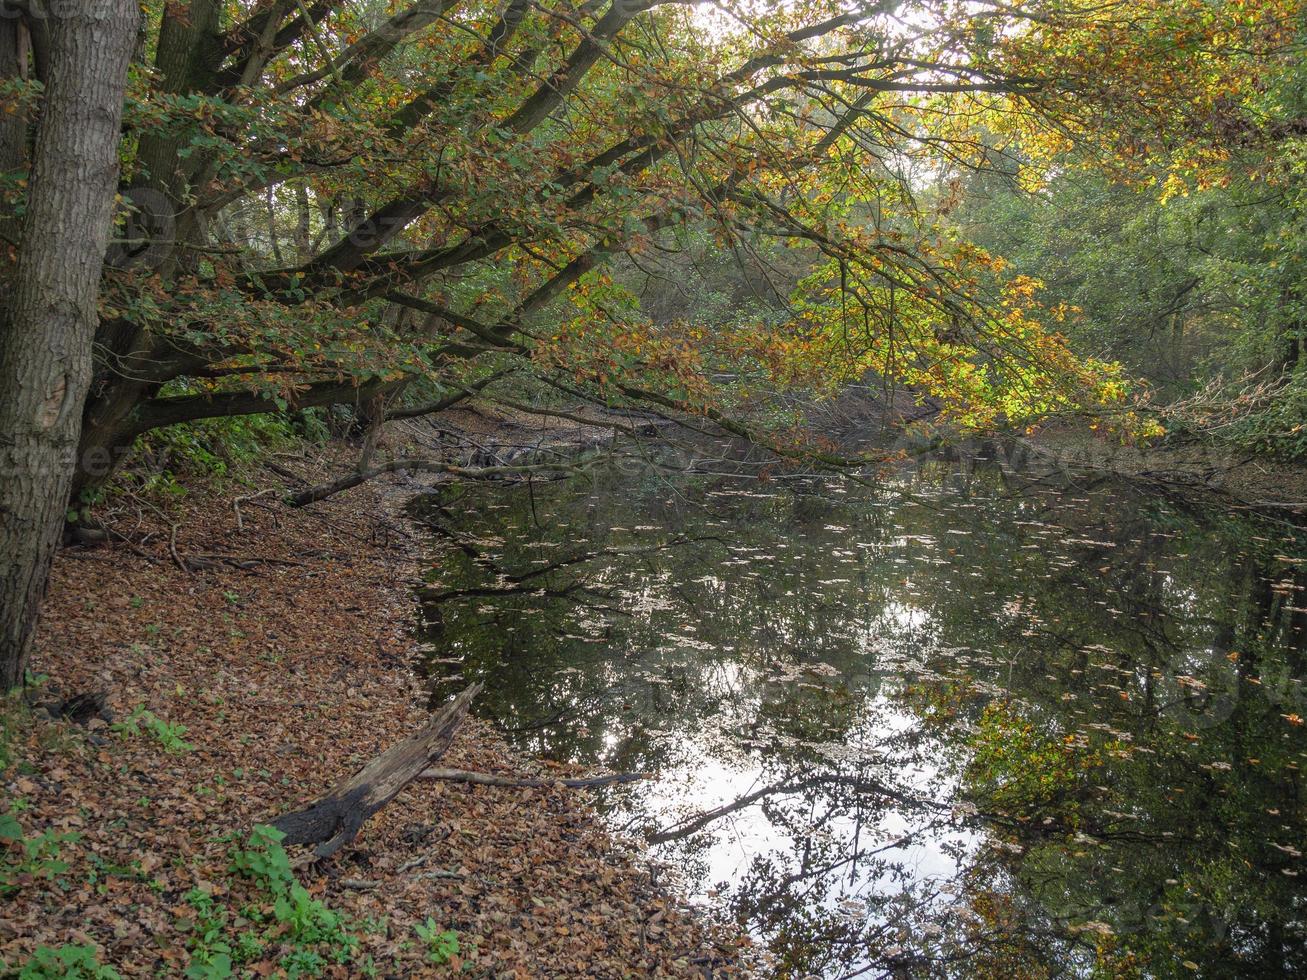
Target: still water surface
[{"x": 966, "y": 722}]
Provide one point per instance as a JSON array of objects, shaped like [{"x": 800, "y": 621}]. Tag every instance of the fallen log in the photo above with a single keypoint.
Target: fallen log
[{"x": 334, "y": 820}]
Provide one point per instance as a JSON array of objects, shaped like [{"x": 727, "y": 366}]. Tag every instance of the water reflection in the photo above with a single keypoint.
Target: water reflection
[{"x": 965, "y": 723}]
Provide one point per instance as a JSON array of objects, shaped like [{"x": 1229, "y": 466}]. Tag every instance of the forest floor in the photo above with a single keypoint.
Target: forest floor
[{"x": 253, "y": 655}]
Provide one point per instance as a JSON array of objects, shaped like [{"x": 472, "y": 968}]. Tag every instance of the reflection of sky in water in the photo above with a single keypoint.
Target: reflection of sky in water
[
  {"x": 702, "y": 781},
  {"x": 843, "y": 646}
]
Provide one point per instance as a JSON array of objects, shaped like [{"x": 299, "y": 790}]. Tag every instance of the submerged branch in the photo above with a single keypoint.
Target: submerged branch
[
  {"x": 487, "y": 779},
  {"x": 325, "y": 490}
]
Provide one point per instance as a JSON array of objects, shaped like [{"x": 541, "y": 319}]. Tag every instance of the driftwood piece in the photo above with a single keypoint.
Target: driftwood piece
[{"x": 333, "y": 821}]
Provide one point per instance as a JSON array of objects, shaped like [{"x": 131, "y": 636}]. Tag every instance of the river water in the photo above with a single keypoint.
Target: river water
[{"x": 967, "y": 721}]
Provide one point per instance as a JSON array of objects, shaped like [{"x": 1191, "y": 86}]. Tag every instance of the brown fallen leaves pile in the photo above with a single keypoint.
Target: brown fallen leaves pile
[{"x": 288, "y": 674}]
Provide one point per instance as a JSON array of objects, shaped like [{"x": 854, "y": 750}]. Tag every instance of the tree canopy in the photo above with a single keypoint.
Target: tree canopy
[{"x": 324, "y": 202}]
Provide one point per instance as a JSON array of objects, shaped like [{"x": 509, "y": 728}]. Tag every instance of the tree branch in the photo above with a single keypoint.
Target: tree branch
[
  {"x": 325, "y": 490},
  {"x": 486, "y": 779}
]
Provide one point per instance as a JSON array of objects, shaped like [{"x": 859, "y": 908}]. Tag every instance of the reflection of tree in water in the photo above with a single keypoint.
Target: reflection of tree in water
[
  {"x": 789, "y": 635},
  {"x": 1168, "y": 851}
]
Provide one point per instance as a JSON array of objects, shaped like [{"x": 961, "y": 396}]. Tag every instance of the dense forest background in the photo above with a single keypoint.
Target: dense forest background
[{"x": 331, "y": 214}]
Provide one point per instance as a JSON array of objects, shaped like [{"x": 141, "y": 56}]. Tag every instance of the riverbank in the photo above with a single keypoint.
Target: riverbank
[
  {"x": 251, "y": 656},
  {"x": 1189, "y": 467}
]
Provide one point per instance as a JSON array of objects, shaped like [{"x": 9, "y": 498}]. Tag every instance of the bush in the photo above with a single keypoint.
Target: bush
[
  {"x": 165, "y": 460},
  {"x": 1277, "y": 426}
]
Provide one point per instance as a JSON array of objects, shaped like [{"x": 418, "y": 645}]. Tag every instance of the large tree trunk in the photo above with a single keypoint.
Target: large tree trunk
[{"x": 45, "y": 341}]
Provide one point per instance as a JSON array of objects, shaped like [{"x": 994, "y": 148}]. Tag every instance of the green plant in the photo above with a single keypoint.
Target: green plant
[
  {"x": 80, "y": 511},
  {"x": 211, "y": 950},
  {"x": 37, "y": 856},
  {"x": 209, "y": 966},
  {"x": 303, "y": 963},
  {"x": 10, "y": 711},
  {"x": 442, "y": 944},
  {"x": 310, "y": 938},
  {"x": 166, "y": 733},
  {"x": 217, "y": 945},
  {"x": 166, "y": 460},
  {"x": 101, "y": 871},
  {"x": 318, "y": 935},
  {"x": 264, "y": 860},
  {"x": 68, "y": 962},
  {"x": 1275, "y": 424}
]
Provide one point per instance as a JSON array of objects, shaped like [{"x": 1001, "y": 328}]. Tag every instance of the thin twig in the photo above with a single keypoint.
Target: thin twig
[
  {"x": 237, "y": 501},
  {"x": 172, "y": 548}
]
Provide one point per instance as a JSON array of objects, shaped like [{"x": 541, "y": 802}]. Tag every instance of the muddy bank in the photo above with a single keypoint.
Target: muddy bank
[
  {"x": 485, "y": 435},
  {"x": 861, "y": 422},
  {"x": 1180, "y": 466},
  {"x": 251, "y": 656},
  {"x": 410, "y": 456}
]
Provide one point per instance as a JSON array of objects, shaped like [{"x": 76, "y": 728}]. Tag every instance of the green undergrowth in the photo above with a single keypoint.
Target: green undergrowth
[
  {"x": 165, "y": 464},
  {"x": 254, "y": 920},
  {"x": 1271, "y": 424},
  {"x": 261, "y": 921},
  {"x": 1277, "y": 428},
  {"x": 143, "y": 721},
  {"x": 72, "y": 961},
  {"x": 282, "y": 923}
]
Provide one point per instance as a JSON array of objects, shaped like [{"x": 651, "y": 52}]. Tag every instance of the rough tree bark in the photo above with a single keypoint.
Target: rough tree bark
[
  {"x": 47, "y": 327},
  {"x": 333, "y": 821},
  {"x": 187, "y": 59}
]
